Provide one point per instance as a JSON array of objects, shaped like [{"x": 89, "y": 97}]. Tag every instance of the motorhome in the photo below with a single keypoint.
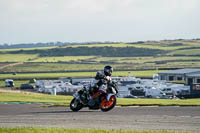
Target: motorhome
[
  {"x": 124, "y": 91},
  {"x": 154, "y": 93},
  {"x": 48, "y": 86}
]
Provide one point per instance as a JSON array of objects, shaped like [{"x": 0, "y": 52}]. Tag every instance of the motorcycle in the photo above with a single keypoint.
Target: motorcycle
[{"x": 104, "y": 98}]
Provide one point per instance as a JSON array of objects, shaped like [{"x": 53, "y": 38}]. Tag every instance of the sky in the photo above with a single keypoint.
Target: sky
[{"x": 32, "y": 21}]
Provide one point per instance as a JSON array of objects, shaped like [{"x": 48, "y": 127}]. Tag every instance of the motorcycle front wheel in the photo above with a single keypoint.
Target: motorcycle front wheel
[
  {"x": 75, "y": 105},
  {"x": 108, "y": 105}
]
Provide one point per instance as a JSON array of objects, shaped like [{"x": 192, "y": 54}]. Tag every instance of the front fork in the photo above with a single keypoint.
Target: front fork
[{"x": 109, "y": 96}]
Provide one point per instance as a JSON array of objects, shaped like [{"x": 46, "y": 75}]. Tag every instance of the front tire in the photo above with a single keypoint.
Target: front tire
[
  {"x": 75, "y": 105},
  {"x": 108, "y": 105}
]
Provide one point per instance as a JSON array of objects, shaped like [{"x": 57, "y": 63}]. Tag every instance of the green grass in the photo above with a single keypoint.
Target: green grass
[
  {"x": 81, "y": 63},
  {"x": 158, "y": 102},
  {"x": 194, "y": 44},
  {"x": 141, "y": 60},
  {"x": 47, "y": 75},
  {"x": 34, "y": 98},
  {"x": 186, "y": 52},
  {"x": 36, "y": 67},
  {"x": 63, "y": 59},
  {"x": 62, "y": 130},
  {"x": 77, "y": 74},
  {"x": 138, "y": 60},
  {"x": 17, "y": 57},
  {"x": 157, "y": 47},
  {"x": 54, "y": 67},
  {"x": 65, "y": 100},
  {"x": 149, "y": 46}
]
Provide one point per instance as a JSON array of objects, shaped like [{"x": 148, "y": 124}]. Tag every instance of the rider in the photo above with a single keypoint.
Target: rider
[{"x": 102, "y": 78}]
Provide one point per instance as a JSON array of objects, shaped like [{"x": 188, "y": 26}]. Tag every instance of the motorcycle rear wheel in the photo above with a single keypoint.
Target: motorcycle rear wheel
[
  {"x": 75, "y": 105},
  {"x": 108, "y": 105}
]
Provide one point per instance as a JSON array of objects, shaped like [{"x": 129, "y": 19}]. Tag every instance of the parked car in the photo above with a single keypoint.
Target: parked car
[
  {"x": 26, "y": 86},
  {"x": 9, "y": 83}
]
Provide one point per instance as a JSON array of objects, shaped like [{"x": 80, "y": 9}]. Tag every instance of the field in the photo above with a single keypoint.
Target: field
[
  {"x": 95, "y": 59},
  {"x": 62, "y": 59},
  {"x": 39, "y": 67},
  {"x": 62, "y": 130},
  {"x": 16, "y": 57},
  {"x": 173, "y": 54},
  {"x": 150, "y": 45},
  {"x": 49, "y": 67},
  {"x": 74, "y": 74},
  {"x": 186, "y": 52},
  {"x": 88, "y": 63}
]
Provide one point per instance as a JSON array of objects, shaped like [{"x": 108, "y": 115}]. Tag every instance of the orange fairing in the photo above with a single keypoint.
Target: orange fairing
[{"x": 106, "y": 104}]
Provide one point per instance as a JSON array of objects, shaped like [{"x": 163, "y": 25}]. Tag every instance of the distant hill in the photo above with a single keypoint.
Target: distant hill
[
  {"x": 48, "y": 44},
  {"x": 94, "y": 51},
  {"x": 31, "y": 45},
  {"x": 109, "y": 49}
]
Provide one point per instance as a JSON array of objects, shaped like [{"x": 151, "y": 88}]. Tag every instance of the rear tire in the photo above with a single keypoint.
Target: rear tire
[
  {"x": 75, "y": 105},
  {"x": 108, "y": 105}
]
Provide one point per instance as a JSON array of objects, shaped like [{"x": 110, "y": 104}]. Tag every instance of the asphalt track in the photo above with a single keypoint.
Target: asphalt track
[{"x": 136, "y": 118}]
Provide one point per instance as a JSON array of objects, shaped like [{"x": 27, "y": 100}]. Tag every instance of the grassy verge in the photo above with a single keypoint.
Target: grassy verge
[
  {"x": 62, "y": 130},
  {"x": 158, "y": 102},
  {"x": 24, "y": 97},
  {"x": 65, "y": 100}
]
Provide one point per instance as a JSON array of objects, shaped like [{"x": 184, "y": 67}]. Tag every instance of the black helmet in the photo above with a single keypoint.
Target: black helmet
[{"x": 108, "y": 70}]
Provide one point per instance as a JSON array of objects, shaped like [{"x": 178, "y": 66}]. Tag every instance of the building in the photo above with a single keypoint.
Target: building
[
  {"x": 190, "y": 76},
  {"x": 193, "y": 78}
]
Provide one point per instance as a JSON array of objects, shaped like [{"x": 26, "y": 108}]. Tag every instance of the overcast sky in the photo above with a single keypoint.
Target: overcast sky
[{"x": 31, "y": 21}]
